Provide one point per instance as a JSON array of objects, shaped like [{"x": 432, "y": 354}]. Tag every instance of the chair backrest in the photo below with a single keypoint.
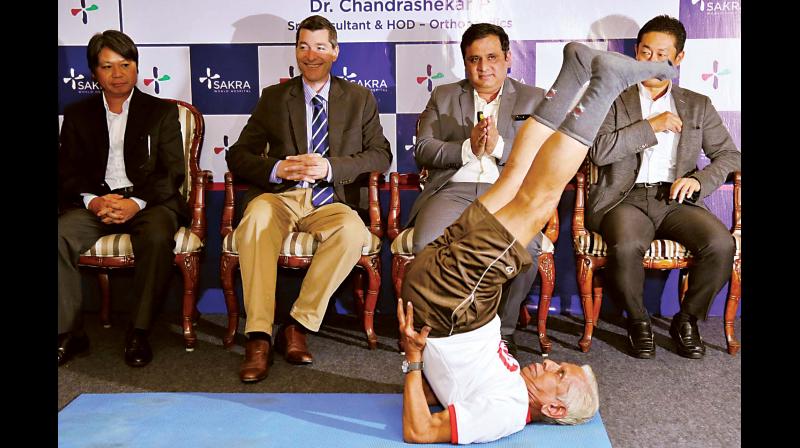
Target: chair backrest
[{"x": 193, "y": 132}]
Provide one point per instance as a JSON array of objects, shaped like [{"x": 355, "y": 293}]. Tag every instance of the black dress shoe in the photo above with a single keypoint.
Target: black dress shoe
[
  {"x": 640, "y": 339},
  {"x": 70, "y": 345},
  {"x": 510, "y": 345},
  {"x": 687, "y": 338},
  {"x": 137, "y": 349}
]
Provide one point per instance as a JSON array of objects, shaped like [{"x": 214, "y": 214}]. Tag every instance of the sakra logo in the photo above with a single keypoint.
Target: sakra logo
[{"x": 215, "y": 82}]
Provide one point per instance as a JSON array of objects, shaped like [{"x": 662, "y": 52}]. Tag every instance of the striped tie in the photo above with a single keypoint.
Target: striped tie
[{"x": 321, "y": 192}]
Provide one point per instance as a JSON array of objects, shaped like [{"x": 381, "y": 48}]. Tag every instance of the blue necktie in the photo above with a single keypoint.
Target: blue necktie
[{"x": 322, "y": 191}]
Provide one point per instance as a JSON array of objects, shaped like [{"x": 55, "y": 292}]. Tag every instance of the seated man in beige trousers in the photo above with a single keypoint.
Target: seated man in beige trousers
[{"x": 322, "y": 134}]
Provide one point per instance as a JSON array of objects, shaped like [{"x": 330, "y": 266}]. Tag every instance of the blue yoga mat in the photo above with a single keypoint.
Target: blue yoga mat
[{"x": 269, "y": 420}]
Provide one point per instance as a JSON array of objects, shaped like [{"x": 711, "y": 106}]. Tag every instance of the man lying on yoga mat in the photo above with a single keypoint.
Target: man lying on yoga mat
[{"x": 453, "y": 286}]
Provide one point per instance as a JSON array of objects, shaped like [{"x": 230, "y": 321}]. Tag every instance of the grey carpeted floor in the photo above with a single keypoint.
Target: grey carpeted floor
[{"x": 665, "y": 402}]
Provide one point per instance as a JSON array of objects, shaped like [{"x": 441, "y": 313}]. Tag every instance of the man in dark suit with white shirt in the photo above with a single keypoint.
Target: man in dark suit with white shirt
[{"x": 120, "y": 168}]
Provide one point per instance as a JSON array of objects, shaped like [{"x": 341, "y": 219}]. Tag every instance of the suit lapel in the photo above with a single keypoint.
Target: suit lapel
[
  {"x": 98, "y": 127},
  {"x": 633, "y": 109},
  {"x": 507, "y": 102},
  {"x": 138, "y": 110},
  {"x": 336, "y": 116},
  {"x": 297, "y": 115},
  {"x": 467, "y": 102},
  {"x": 682, "y": 109}
]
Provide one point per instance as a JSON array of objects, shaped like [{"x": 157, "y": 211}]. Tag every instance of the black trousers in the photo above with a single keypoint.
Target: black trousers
[
  {"x": 647, "y": 214},
  {"x": 152, "y": 233}
]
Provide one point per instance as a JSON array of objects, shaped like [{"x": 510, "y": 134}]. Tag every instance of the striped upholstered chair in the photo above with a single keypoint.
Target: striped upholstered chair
[
  {"x": 115, "y": 251},
  {"x": 402, "y": 253},
  {"x": 590, "y": 253},
  {"x": 297, "y": 252}
]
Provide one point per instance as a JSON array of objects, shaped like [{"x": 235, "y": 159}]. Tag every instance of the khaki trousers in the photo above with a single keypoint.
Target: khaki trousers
[{"x": 268, "y": 219}]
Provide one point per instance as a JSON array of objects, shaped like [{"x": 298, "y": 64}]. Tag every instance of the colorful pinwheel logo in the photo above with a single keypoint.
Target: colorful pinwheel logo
[
  {"x": 83, "y": 9},
  {"x": 429, "y": 78},
  {"x": 156, "y": 79},
  {"x": 715, "y": 74}
]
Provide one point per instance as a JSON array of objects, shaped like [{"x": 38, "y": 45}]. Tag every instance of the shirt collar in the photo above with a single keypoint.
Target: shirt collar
[
  {"x": 125, "y": 104},
  {"x": 310, "y": 93},
  {"x": 644, "y": 93},
  {"x": 497, "y": 98}
]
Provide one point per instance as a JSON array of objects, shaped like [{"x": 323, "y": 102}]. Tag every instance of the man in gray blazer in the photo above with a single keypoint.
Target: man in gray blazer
[
  {"x": 465, "y": 153},
  {"x": 649, "y": 187}
]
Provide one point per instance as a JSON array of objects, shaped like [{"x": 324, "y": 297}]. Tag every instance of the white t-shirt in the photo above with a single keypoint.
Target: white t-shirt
[{"x": 480, "y": 383}]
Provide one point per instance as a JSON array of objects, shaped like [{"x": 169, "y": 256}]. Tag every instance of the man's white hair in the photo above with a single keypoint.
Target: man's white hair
[{"x": 581, "y": 399}]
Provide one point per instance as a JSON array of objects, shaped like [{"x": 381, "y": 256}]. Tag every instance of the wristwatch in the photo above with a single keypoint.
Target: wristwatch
[{"x": 410, "y": 366}]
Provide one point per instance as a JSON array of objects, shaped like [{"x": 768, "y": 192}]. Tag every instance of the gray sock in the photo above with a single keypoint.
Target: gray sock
[
  {"x": 611, "y": 74},
  {"x": 576, "y": 69}
]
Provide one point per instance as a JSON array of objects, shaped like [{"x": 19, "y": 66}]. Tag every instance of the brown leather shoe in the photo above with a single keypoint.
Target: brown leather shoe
[
  {"x": 257, "y": 359},
  {"x": 292, "y": 343}
]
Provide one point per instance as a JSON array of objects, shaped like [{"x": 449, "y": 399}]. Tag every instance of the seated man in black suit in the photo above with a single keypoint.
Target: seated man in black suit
[{"x": 120, "y": 167}]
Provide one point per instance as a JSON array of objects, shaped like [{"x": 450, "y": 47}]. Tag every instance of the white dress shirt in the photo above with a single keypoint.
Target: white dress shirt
[
  {"x": 483, "y": 169},
  {"x": 659, "y": 161},
  {"x": 116, "y": 177}
]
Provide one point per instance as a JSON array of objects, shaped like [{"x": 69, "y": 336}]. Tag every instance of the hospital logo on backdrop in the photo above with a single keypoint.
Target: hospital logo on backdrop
[
  {"x": 715, "y": 73},
  {"x": 370, "y": 65},
  {"x": 423, "y": 67},
  {"x": 156, "y": 80},
  {"x": 74, "y": 78},
  {"x": 80, "y": 83},
  {"x": 713, "y": 67},
  {"x": 711, "y": 19},
  {"x": 429, "y": 77},
  {"x": 717, "y": 7},
  {"x": 83, "y": 11},
  {"x": 213, "y": 81},
  {"x": 224, "y": 78}
]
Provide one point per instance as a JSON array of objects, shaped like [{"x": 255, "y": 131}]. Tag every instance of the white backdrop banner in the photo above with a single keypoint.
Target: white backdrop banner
[{"x": 219, "y": 55}]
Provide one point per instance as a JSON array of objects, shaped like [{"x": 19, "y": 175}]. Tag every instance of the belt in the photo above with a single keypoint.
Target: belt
[
  {"x": 650, "y": 184},
  {"x": 123, "y": 190}
]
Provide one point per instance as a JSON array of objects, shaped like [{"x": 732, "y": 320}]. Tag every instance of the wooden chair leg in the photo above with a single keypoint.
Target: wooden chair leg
[
  {"x": 399, "y": 264},
  {"x": 547, "y": 274},
  {"x": 358, "y": 292},
  {"x": 228, "y": 265},
  {"x": 190, "y": 267},
  {"x": 731, "y": 305},
  {"x": 597, "y": 296},
  {"x": 585, "y": 274},
  {"x": 372, "y": 265},
  {"x": 105, "y": 298}
]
